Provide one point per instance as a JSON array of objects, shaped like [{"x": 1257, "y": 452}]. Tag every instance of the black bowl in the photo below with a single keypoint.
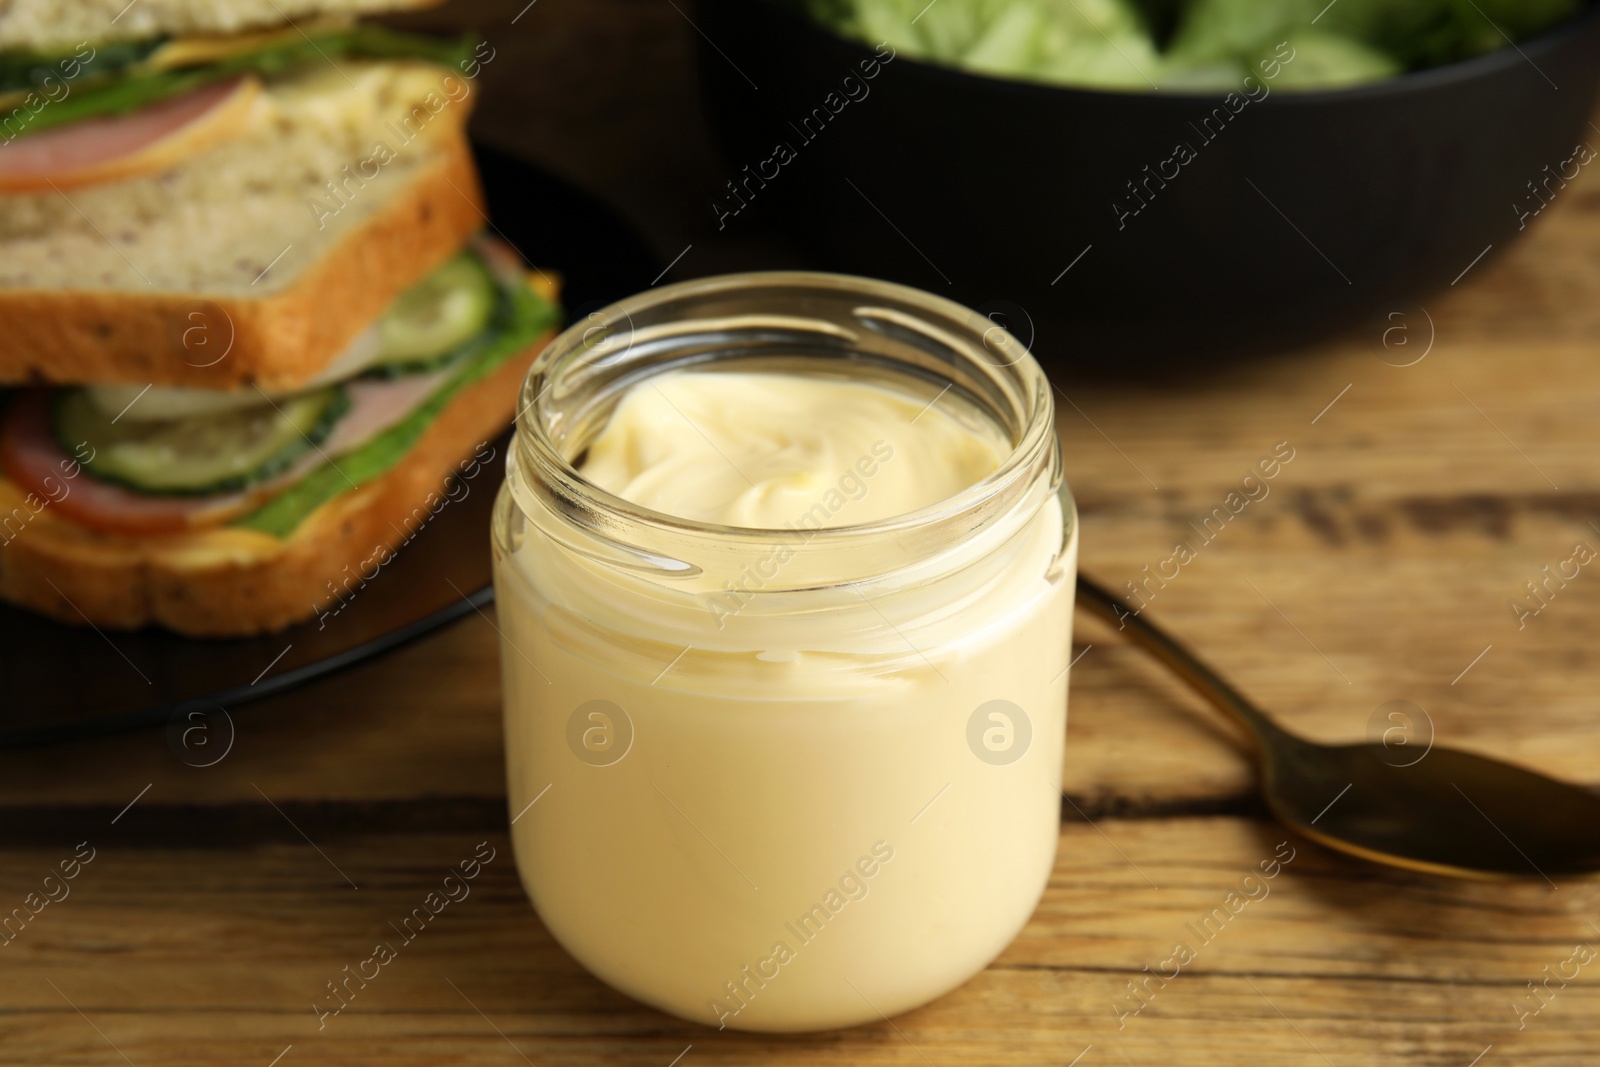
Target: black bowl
[{"x": 1299, "y": 213}]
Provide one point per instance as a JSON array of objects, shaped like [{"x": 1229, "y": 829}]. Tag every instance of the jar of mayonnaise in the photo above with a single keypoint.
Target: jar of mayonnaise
[{"x": 784, "y": 571}]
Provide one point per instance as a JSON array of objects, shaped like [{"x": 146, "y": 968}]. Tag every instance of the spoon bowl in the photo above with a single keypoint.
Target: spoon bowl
[{"x": 1447, "y": 812}]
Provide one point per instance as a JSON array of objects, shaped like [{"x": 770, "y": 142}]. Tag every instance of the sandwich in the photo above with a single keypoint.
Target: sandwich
[
  {"x": 250, "y": 325},
  {"x": 290, "y": 180}
]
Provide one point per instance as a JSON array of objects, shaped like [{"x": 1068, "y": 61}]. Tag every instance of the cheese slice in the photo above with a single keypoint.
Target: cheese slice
[{"x": 199, "y": 51}]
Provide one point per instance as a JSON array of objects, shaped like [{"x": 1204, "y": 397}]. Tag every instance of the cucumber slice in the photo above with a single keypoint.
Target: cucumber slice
[
  {"x": 528, "y": 316},
  {"x": 439, "y": 314},
  {"x": 159, "y": 403},
  {"x": 203, "y": 454}
]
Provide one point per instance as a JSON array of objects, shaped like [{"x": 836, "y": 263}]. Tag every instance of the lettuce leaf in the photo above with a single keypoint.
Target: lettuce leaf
[
  {"x": 1102, "y": 43},
  {"x": 1429, "y": 33},
  {"x": 134, "y": 88},
  {"x": 530, "y": 316},
  {"x": 1212, "y": 46},
  {"x": 1358, "y": 40},
  {"x": 21, "y": 71},
  {"x": 1325, "y": 60}
]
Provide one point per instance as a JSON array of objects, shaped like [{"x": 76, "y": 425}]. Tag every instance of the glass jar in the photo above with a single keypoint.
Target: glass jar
[{"x": 785, "y": 779}]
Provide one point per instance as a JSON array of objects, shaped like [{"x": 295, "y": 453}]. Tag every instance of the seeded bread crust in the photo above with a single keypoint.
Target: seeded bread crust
[
  {"x": 230, "y": 582},
  {"x": 277, "y": 341}
]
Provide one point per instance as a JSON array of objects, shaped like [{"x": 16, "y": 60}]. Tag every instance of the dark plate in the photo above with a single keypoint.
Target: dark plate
[
  {"x": 1299, "y": 213},
  {"x": 63, "y": 682}
]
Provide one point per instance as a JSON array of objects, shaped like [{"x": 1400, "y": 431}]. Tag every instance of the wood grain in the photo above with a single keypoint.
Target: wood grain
[
  {"x": 184, "y": 955},
  {"x": 1378, "y": 566}
]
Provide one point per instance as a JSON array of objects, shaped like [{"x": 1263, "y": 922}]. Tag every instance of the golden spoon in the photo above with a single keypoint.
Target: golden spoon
[{"x": 1450, "y": 812}]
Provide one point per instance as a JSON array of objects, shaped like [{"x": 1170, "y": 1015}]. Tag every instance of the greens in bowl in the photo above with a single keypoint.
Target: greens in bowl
[{"x": 1195, "y": 45}]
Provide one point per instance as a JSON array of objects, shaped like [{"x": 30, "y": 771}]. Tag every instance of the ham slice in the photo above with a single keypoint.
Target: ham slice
[
  {"x": 152, "y": 139},
  {"x": 377, "y": 404},
  {"x": 31, "y": 457}
]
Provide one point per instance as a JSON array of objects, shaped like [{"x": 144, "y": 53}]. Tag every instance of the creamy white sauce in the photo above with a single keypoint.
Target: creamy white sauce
[
  {"x": 763, "y": 450},
  {"x": 755, "y": 798}
]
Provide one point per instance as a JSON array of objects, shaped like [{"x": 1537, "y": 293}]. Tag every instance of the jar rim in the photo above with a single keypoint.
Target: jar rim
[{"x": 911, "y": 316}]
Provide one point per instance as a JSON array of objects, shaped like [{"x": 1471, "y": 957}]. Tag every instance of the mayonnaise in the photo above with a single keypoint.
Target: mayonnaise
[
  {"x": 785, "y": 760},
  {"x": 765, "y": 450}
]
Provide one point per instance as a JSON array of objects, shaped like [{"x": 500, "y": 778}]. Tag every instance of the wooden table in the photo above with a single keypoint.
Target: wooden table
[{"x": 1379, "y": 568}]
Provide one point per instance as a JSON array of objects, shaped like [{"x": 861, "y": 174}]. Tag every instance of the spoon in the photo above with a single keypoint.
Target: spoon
[{"x": 1449, "y": 812}]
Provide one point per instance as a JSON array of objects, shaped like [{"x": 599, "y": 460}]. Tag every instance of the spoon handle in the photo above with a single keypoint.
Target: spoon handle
[{"x": 1105, "y": 606}]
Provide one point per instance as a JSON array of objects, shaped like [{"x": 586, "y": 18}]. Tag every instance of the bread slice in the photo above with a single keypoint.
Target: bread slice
[
  {"x": 46, "y": 25},
  {"x": 229, "y": 582},
  {"x": 257, "y": 261}
]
